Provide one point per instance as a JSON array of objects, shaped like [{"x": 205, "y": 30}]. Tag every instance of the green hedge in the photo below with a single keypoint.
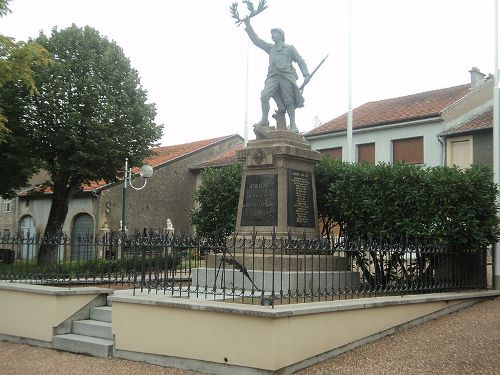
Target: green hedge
[
  {"x": 94, "y": 268},
  {"x": 388, "y": 202}
]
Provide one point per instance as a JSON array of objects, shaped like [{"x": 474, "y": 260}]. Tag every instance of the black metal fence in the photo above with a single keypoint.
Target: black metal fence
[{"x": 264, "y": 270}]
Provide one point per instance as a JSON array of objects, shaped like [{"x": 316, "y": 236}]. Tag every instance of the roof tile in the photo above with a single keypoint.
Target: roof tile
[
  {"x": 483, "y": 120},
  {"x": 225, "y": 158},
  {"x": 389, "y": 111},
  {"x": 168, "y": 153}
]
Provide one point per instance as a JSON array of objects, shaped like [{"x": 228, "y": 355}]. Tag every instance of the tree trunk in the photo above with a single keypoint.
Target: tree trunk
[{"x": 63, "y": 191}]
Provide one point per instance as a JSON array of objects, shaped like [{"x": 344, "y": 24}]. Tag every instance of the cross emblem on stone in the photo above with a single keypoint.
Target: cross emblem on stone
[{"x": 258, "y": 156}]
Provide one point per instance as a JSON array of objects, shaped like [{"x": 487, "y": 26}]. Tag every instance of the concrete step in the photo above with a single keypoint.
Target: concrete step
[
  {"x": 94, "y": 328},
  {"x": 102, "y": 313},
  {"x": 97, "y": 347}
]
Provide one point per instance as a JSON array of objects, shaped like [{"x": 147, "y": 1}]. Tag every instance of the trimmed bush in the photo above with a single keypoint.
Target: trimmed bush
[{"x": 390, "y": 202}]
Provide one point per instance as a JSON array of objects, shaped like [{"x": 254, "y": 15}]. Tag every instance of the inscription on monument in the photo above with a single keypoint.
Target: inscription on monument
[
  {"x": 300, "y": 199},
  {"x": 260, "y": 198}
]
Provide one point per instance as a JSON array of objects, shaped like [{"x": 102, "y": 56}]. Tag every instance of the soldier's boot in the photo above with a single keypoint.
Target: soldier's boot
[
  {"x": 291, "y": 116},
  {"x": 265, "y": 113}
]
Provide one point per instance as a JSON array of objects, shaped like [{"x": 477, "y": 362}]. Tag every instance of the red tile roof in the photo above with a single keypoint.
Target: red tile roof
[
  {"x": 389, "y": 111},
  {"x": 168, "y": 153},
  {"x": 225, "y": 158},
  {"x": 483, "y": 120},
  {"x": 161, "y": 155},
  {"x": 44, "y": 189}
]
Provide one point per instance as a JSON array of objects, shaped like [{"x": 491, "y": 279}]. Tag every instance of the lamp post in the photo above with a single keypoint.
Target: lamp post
[{"x": 145, "y": 172}]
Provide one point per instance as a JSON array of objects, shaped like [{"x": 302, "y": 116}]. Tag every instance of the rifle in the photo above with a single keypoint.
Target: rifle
[{"x": 301, "y": 88}]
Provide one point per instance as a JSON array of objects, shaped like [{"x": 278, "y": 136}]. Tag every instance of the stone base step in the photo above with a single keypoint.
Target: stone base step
[
  {"x": 288, "y": 282},
  {"x": 94, "y": 328},
  {"x": 278, "y": 262},
  {"x": 74, "y": 343},
  {"x": 102, "y": 313}
]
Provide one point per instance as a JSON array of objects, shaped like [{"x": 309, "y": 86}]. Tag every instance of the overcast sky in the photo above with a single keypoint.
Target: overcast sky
[{"x": 191, "y": 56}]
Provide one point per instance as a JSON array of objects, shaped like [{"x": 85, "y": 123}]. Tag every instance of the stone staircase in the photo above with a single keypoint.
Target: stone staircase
[{"x": 91, "y": 336}]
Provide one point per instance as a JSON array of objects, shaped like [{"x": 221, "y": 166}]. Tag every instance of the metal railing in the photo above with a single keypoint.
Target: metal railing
[{"x": 263, "y": 270}]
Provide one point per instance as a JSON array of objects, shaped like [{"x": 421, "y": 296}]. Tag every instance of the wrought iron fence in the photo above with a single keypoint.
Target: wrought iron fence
[{"x": 265, "y": 270}]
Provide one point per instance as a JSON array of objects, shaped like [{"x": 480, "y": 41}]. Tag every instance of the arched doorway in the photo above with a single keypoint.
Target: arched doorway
[
  {"x": 27, "y": 226},
  {"x": 82, "y": 236}
]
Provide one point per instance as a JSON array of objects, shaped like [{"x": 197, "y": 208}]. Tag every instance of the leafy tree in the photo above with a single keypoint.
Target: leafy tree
[
  {"x": 17, "y": 60},
  {"x": 17, "y": 161},
  {"x": 91, "y": 113},
  {"x": 217, "y": 199}
]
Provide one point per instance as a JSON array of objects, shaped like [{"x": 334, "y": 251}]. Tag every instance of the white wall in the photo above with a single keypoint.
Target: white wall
[
  {"x": 39, "y": 209},
  {"x": 383, "y": 136}
]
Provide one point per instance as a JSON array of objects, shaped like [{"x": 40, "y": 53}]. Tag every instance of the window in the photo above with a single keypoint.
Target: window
[
  {"x": 409, "y": 150},
  {"x": 334, "y": 153},
  {"x": 366, "y": 153},
  {"x": 459, "y": 152},
  {"x": 7, "y": 206},
  {"x": 6, "y": 233}
]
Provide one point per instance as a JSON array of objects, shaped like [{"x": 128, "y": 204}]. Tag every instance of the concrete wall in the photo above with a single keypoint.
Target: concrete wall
[
  {"x": 470, "y": 105},
  {"x": 220, "y": 337},
  {"x": 33, "y": 312},
  {"x": 225, "y": 338}
]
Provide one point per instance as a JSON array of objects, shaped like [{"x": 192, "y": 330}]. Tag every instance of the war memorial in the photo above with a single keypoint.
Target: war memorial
[{"x": 273, "y": 298}]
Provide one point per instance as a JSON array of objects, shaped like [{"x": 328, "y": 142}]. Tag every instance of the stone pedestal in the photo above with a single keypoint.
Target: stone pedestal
[{"x": 278, "y": 189}]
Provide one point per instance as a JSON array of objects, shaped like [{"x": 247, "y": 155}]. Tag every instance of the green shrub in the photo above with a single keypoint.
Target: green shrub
[
  {"x": 388, "y": 202},
  {"x": 217, "y": 199}
]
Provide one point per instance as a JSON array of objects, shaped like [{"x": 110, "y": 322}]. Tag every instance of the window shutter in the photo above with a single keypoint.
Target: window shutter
[
  {"x": 366, "y": 153},
  {"x": 334, "y": 153},
  {"x": 410, "y": 150}
]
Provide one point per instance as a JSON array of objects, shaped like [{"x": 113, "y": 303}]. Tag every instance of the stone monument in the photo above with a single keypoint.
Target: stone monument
[
  {"x": 277, "y": 195},
  {"x": 278, "y": 191}
]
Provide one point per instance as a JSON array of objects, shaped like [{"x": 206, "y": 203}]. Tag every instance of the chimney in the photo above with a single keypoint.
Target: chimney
[{"x": 476, "y": 78}]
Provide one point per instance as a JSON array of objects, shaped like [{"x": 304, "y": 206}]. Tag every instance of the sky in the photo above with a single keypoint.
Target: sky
[{"x": 205, "y": 77}]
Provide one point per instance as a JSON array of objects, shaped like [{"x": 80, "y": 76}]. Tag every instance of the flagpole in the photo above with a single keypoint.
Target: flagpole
[
  {"x": 496, "y": 145},
  {"x": 245, "y": 131},
  {"x": 350, "y": 153}
]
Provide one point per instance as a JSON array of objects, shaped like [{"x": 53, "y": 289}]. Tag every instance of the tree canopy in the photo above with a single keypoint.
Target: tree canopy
[
  {"x": 17, "y": 60},
  {"x": 91, "y": 112}
]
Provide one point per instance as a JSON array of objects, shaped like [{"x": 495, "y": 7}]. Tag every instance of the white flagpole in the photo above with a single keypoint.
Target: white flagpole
[
  {"x": 350, "y": 151},
  {"x": 245, "y": 131},
  {"x": 496, "y": 145}
]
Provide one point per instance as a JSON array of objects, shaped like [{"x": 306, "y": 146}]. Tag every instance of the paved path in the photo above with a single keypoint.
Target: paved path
[{"x": 465, "y": 342}]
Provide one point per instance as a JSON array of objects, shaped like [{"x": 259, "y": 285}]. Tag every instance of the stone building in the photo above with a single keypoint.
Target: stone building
[{"x": 97, "y": 208}]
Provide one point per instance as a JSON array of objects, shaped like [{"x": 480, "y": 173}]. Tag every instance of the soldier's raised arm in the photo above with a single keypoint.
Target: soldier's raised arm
[{"x": 254, "y": 37}]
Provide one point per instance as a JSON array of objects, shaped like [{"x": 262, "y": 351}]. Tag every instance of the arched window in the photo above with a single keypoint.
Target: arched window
[{"x": 82, "y": 237}]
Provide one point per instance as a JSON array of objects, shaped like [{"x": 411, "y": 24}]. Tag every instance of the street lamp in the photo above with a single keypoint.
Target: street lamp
[{"x": 145, "y": 172}]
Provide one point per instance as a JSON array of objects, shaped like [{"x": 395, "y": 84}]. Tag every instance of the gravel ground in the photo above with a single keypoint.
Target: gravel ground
[{"x": 465, "y": 342}]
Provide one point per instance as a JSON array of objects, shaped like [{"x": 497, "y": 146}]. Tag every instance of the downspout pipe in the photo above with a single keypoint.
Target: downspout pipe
[{"x": 443, "y": 150}]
